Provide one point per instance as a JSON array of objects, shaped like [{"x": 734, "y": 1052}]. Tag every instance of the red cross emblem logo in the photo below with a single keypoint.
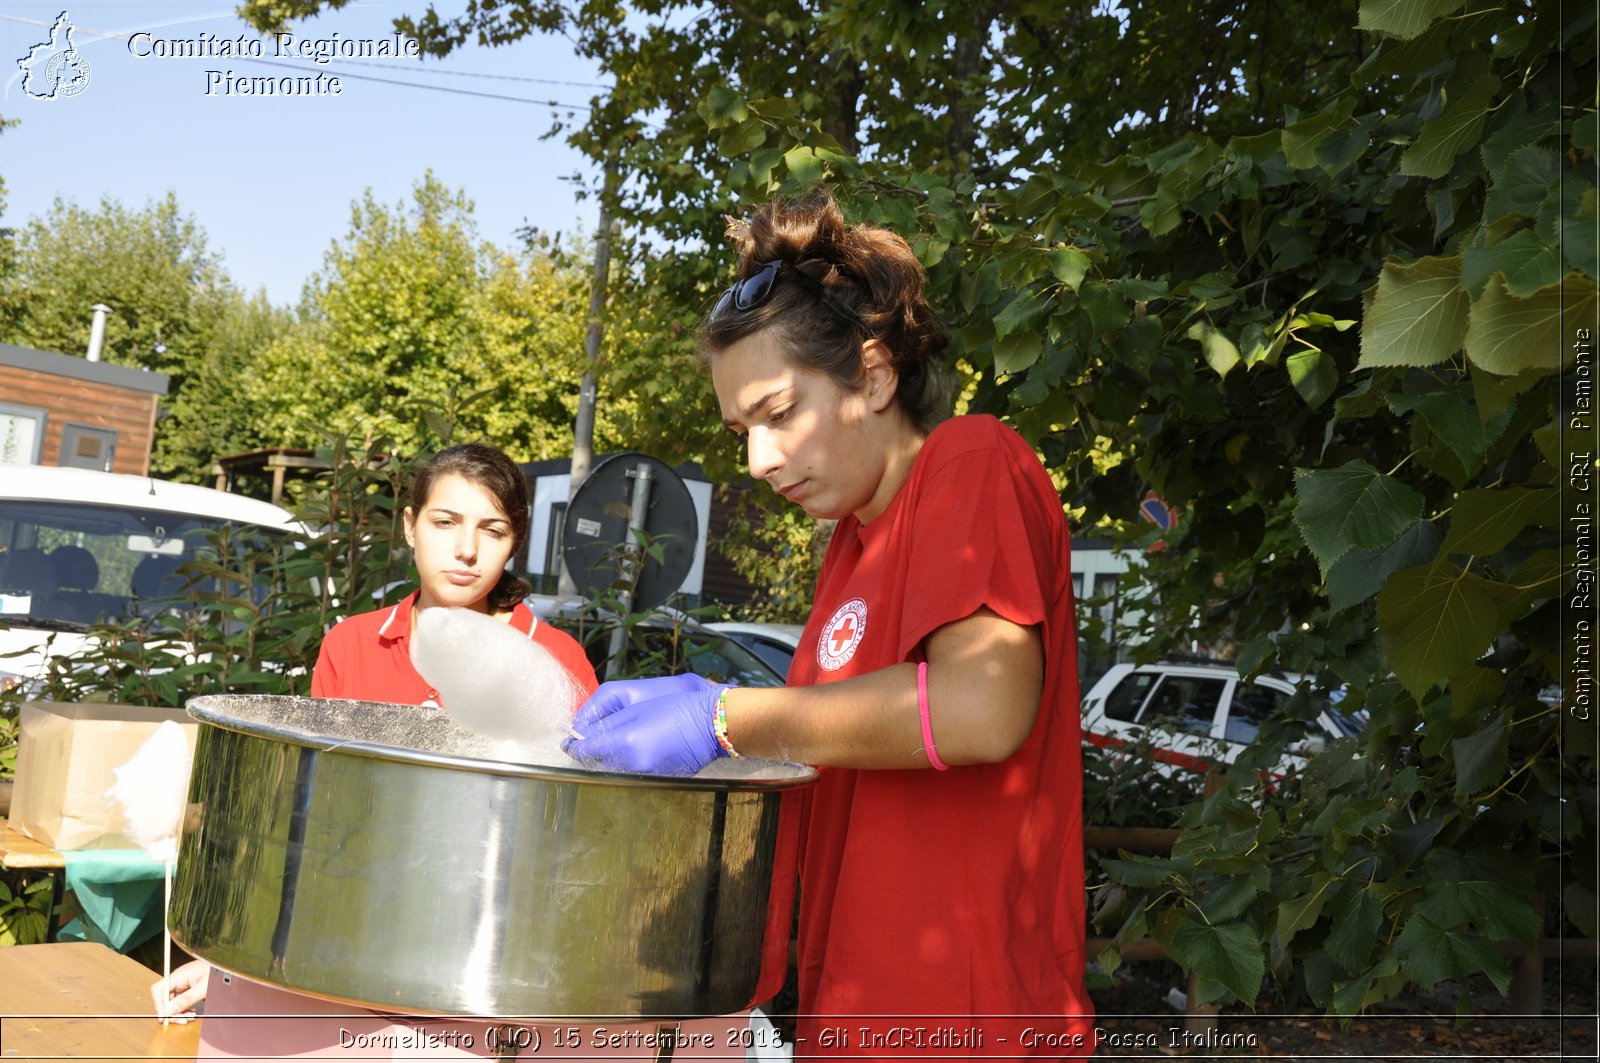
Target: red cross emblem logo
[{"x": 842, "y": 634}]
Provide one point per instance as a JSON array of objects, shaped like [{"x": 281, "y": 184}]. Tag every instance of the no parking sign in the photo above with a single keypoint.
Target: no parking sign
[{"x": 1154, "y": 509}]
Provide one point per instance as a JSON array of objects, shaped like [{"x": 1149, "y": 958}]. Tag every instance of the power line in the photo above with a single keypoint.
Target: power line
[
  {"x": 494, "y": 77},
  {"x": 554, "y": 104}
]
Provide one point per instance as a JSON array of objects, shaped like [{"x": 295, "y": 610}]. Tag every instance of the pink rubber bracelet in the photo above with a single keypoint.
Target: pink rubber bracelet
[{"x": 927, "y": 728}]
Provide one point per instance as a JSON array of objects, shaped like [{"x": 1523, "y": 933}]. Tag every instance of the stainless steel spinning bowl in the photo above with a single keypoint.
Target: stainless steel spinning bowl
[{"x": 377, "y": 854}]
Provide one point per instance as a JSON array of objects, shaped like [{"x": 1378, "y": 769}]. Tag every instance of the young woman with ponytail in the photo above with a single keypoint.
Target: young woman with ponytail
[{"x": 936, "y": 681}]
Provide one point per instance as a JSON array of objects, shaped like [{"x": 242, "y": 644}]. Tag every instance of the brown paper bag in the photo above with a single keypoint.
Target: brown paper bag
[{"x": 65, "y": 758}]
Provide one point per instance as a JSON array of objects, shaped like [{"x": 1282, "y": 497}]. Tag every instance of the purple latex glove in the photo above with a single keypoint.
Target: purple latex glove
[
  {"x": 620, "y": 692},
  {"x": 649, "y": 726}
]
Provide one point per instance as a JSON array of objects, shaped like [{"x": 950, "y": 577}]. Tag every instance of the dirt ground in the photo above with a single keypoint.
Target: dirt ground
[{"x": 1422, "y": 1027}]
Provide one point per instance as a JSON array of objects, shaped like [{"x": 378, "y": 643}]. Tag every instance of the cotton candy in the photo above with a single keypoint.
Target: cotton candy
[
  {"x": 495, "y": 681},
  {"x": 151, "y": 788}
]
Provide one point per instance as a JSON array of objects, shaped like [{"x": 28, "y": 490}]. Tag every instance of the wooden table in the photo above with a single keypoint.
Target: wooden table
[
  {"x": 20, "y": 852},
  {"x": 17, "y": 850},
  {"x": 83, "y": 1001}
]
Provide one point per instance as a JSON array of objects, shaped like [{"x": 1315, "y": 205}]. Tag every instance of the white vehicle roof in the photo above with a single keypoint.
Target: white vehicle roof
[
  {"x": 789, "y": 634},
  {"x": 51, "y": 483}
]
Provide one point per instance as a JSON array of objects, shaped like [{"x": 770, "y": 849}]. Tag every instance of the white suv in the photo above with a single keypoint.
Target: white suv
[
  {"x": 78, "y": 546},
  {"x": 1198, "y": 713}
]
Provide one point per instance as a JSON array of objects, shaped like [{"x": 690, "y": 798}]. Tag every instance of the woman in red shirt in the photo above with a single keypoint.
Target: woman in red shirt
[
  {"x": 467, "y": 518},
  {"x": 942, "y": 904}
]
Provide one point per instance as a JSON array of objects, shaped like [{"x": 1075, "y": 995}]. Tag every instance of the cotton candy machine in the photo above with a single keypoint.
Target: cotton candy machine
[{"x": 378, "y": 855}]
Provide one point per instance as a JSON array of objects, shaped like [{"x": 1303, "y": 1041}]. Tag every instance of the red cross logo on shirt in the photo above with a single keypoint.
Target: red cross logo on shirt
[{"x": 842, "y": 634}]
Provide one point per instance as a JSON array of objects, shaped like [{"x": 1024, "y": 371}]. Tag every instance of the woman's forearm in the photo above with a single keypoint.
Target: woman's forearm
[{"x": 984, "y": 680}]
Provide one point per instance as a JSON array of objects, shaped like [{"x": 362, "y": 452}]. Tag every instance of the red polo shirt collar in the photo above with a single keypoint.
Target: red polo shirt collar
[{"x": 396, "y": 626}]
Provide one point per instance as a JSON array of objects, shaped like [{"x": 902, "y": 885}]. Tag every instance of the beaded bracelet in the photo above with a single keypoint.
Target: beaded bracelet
[
  {"x": 719, "y": 724},
  {"x": 927, "y": 727}
]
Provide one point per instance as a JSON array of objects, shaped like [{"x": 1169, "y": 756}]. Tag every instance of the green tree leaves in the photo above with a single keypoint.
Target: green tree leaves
[
  {"x": 1487, "y": 519},
  {"x": 1314, "y": 374},
  {"x": 1229, "y": 955},
  {"x": 1480, "y": 758},
  {"x": 1418, "y": 316},
  {"x": 1497, "y": 910},
  {"x": 1017, "y": 338},
  {"x": 1507, "y": 335},
  {"x": 1352, "y": 506},
  {"x": 1523, "y": 183},
  {"x": 1069, "y": 266},
  {"x": 1403, "y": 18},
  {"x": 1422, "y": 314},
  {"x": 1302, "y": 912},
  {"x": 1454, "y": 131},
  {"x": 1219, "y": 351},
  {"x": 1525, "y": 262},
  {"x": 722, "y": 107},
  {"x": 411, "y": 315},
  {"x": 1358, "y": 574},
  {"x": 1435, "y": 621},
  {"x": 1303, "y": 141},
  {"x": 174, "y": 309},
  {"x": 1357, "y": 917},
  {"x": 1431, "y": 954}
]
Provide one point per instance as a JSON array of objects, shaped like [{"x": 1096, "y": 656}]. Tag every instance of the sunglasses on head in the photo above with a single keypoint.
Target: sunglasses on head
[{"x": 750, "y": 292}]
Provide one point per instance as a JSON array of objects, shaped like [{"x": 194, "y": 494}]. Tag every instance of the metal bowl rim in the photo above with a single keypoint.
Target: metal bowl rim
[{"x": 200, "y": 709}]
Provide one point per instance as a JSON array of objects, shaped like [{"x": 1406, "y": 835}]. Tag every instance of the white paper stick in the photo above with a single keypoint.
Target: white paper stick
[{"x": 166, "y": 931}]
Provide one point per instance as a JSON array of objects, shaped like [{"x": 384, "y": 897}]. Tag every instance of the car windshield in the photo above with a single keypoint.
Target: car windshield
[
  {"x": 665, "y": 649},
  {"x": 722, "y": 660},
  {"x": 69, "y": 564}
]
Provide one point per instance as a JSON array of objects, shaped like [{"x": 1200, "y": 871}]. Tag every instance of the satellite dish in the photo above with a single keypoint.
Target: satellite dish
[{"x": 600, "y": 518}]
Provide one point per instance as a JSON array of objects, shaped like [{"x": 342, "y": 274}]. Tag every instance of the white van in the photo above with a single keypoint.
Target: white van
[{"x": 77, "y": 546}]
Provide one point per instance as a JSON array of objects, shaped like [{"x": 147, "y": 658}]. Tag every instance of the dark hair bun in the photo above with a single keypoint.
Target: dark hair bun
[
  {"x": 870, "y": 270},
  {"x": 811, "y": 228}
]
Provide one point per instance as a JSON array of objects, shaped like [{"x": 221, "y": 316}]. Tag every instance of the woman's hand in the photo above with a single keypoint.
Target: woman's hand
[
  {"x": 620, "y": 692},
  {"x": 175, "y": 996},
  {"x": 648, "y": 726}
]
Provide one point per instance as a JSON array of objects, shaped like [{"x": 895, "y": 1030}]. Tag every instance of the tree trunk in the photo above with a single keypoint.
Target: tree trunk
[
  {"x": 843, "y": 118},
  {"x": 588, "y": 391},
  {"x": 961, "y": 142}
]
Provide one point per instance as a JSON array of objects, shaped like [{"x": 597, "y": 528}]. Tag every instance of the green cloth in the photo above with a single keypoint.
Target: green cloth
[{"x": 120, "y": 892}]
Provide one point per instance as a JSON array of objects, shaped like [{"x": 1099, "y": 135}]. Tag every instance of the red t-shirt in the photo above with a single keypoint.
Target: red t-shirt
[
  {"x": 368, "y": 657},
  {"x": 934, "y": 899}
]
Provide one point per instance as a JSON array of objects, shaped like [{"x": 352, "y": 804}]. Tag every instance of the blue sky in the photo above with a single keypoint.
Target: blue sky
[{"x": 271, "y": 178}]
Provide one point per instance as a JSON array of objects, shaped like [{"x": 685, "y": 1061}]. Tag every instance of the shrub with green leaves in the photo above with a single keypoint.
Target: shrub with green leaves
[
  {"x": 1407, "y": 526},
  {"x": 25, "y": 899}
]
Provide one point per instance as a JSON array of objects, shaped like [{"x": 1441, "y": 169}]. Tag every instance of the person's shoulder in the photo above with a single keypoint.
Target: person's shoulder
[
  {"x": 363, "y": 624},
  {"x": 973, "y": 432},
  {"x": 526, "y": 620},
  {"x": 568, "y": 650},
  {"x": 978, "y": 449}
]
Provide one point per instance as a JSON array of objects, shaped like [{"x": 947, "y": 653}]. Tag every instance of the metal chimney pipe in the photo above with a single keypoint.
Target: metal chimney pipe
[{"x": 97, "y": 331}]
